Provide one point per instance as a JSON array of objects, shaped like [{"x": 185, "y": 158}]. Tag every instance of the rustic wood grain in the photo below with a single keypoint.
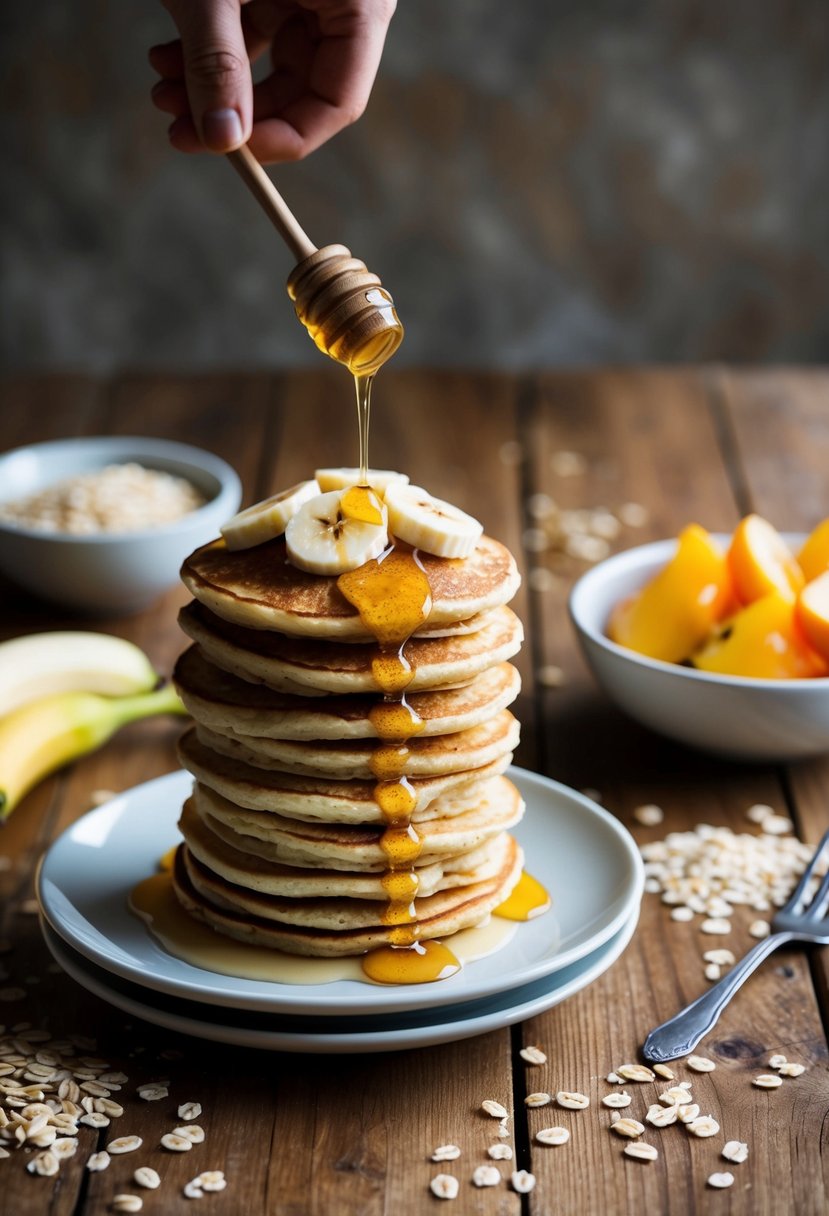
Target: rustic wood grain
[
  {"x": 314, "y": 1135},
  {"x": 655, "y": 438}
]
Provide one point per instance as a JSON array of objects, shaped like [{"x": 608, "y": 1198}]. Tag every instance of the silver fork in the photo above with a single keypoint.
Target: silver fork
[{"x": 801, "y": 920}]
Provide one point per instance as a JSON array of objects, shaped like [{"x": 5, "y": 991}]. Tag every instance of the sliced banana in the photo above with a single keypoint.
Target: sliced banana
[
  {"x": 430, "y": 523},
  {"x": 322, "y": 540},
  {"x": 267, "y": 519},
  {"x": 341, "y": 479}
]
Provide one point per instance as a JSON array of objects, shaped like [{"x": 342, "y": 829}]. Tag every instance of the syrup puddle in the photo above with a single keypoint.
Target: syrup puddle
[{"x": 154, "y": 902}]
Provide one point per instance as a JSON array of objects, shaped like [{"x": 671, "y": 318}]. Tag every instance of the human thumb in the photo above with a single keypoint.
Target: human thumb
[{"x": 216, "y": 70}]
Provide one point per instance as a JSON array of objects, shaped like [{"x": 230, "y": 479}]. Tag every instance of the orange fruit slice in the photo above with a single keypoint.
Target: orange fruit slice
[
  {"x": 762, "y": 640},
  {"x": 813, "y": 558},
  {"x": 813, "y": 613},
  {"x": 674, "y": 612},
  {"x": 761, "y": 562}
]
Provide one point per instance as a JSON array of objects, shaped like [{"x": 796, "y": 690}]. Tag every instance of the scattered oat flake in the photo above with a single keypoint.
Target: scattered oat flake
[
  {"x": 617, "y": 1099},
  {"x": 703, "y": 1126},
  {"x": 643, "y": 1152},
  {"x": 567, "y": 464},
  {"x": 649, "y": 815},
  {"x": 503, "y": 1130},
  {"x": 775, "y": 1061},
  {"x": 635, "y": 1072},
  {"x": 713, "y": 971},
  {"x": 539, "y": 1099},
  {"x": 766, "y": 1080},
  {"x": 522, "y": 1181},
  {"x": 700, "y": 1064},
  {"x": 490, "y": 1107},
  {"x": 45, "y": 1164},
  {"x": 776, "y": 825},
  {"x": 190, "y": 1131},
  {"x": 533, "y": 1055},
  {"x": 662, "y": 1116},
  {"x": 717, "y": 926},
  {"x": 124, "y": 1144},
  {"x": 551, "y": 676},
  {"x": 633, "y": 514},
  {"x": 446, "y": 1152},
  {"x": 147, "y": 1177},
  {"x": 127, "y": 1203},
  {"x": 687, "y": 1113},
  {"x": 211, "y": 1180},
  {"x": 153, "y": 1093},
  {"x": 499, "y": 1152},
  {"x": 486, "y": 1175},
  {"x": 189, "y": 1111},
  {"x": 791, "y": 1070},
  {"x": 662, "y": 1070},
  {"x": 721, "y": 1181},
  {"x": 722, "y": 957},
  {"x": 444, "y": 1186},
  {"x": 572, "y": 1101},
  {"x": 631, "y": 1128},
  {"x": 735, "y": 1150},
  {"x": 758, "y": 812},
  {"x": 192, "y": 1190},
  {"x": 552, "y": 1135},
  {"x": 98, "y": 1161},
  {"x": 613, "y": 1078},
  {"x": 759, "y": 928},
  {"x": 176, "y": 1143}
]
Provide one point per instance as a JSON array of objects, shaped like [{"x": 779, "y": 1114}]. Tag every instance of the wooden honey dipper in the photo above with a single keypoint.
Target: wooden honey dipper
[{"x": 344, "y": 307}]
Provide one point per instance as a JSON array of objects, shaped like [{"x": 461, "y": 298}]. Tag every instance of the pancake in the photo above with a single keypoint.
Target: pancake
[
  {"x": 438, "y": 916},
  {"x": 495, "y": 807},
  {"x": 283, "y": 879},
  {"x": 310, "y": 798},
  {"x": 289, "y": 664},
  {"x": 225, "y": 703},
  {"x": 259, "y": 589},
  {"x": 348, "y": 761}
]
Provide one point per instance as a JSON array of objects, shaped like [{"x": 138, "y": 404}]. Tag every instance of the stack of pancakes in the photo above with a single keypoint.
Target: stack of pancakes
[{"x": 283, "y": 835}]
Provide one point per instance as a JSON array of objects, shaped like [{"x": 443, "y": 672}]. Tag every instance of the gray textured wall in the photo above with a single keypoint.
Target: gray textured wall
[{"x": 536, "y": 182}]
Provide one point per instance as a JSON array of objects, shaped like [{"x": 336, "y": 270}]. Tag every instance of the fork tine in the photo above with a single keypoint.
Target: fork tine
[{"x": 794, "y": 904}]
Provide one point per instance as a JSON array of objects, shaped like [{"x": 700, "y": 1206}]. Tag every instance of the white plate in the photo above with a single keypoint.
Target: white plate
[
  {"x": 584, "y": 857},
  {"x": 375, "y": 1033}
]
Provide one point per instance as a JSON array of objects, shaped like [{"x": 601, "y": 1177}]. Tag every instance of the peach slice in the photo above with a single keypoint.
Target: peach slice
[
  {"x": 673, "y": 613},
  {"x": 762, "y": 640},
  {"x": 813, "y": 613},
  {"x": 761, "y": 562},
  {"x": 813, "y": 558}
]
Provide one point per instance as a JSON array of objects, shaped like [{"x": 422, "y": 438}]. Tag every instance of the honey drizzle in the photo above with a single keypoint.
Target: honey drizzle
[{"x": 393, "y": 598}]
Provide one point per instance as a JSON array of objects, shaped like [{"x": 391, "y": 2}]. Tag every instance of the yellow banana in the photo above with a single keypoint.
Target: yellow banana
[
  {"x": 43, "y": 735},
  {"x": 42, "y": 664}
]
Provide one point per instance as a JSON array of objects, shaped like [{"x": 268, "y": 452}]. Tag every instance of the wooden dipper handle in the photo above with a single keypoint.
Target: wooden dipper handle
[{"x": 272, "y": 203}]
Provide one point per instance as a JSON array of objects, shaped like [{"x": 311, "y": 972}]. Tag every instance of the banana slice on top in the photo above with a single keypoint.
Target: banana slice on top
[
  {"x": 321, "y": 539},
  {"x": 430, "y": 523},
  {"x": 341, "y": 479},
  {"x": 267, "y": 519}
]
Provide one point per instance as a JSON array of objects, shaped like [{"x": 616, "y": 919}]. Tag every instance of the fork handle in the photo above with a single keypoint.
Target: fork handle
[{"x": 681, "y": 1033}]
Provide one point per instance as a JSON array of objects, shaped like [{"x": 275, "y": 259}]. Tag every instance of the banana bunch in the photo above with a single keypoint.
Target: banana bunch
[
  {"x": 62, "y": 695},
  {"x": 328, "y": 529}
]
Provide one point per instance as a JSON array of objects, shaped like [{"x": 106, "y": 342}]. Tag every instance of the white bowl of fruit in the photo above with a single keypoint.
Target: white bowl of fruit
[{"x": 720, "y": 642}]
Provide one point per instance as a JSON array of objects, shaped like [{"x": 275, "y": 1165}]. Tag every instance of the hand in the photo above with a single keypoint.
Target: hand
[{"x": 324, "y": 54}]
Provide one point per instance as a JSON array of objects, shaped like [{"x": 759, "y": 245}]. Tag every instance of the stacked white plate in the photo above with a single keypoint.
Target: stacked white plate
[{"x": 582, "y": 855}]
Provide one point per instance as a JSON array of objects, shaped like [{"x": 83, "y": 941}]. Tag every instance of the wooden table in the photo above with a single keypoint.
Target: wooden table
[{"x": 301, "y": 1134}]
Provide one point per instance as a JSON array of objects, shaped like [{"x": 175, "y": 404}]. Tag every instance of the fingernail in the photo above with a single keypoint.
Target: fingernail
[{"x": 222, "y": 130}]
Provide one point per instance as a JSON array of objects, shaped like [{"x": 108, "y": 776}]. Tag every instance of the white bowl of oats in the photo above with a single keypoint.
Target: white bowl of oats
[{"x": 102, "y": 525}]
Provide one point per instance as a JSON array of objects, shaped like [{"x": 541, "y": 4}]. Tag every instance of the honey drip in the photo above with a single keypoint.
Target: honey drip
[
  {"x": 527, "y": 900},
  {"x": 393, "y": 598}
]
